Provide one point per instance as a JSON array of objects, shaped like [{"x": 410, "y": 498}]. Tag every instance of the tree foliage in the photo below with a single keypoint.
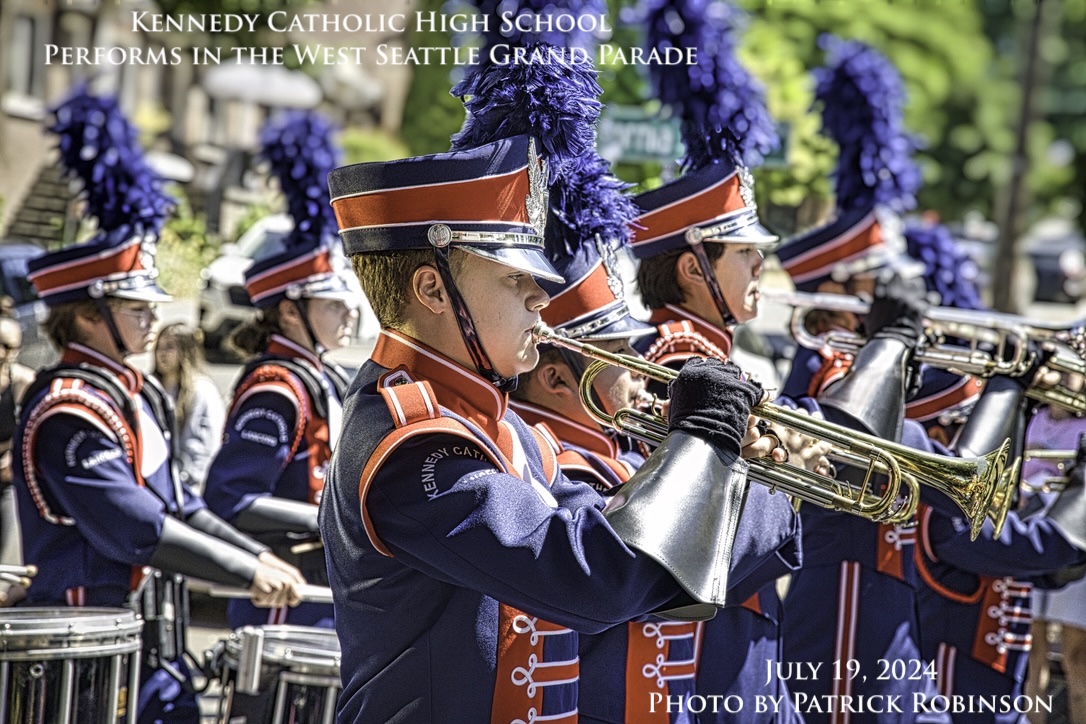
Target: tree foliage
[
  {"x": 958, "y": 101},
  {"x": 431, "y": 115}
]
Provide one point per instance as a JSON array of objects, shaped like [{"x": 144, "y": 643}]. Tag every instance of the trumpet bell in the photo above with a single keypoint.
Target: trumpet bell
[
  {"x": 1003, "y": 496},
  {"x": 977, "y": 485}
]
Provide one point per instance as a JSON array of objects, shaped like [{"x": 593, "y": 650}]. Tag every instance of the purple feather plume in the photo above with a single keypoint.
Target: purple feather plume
[
  {"x": 555, "y": 102},
  {"x": 721, "y": 106},
  {"x": 588, "y": 203},
  {"x": 101, "y": 148},
  {"x": 299, "y": 147},
  {"x": 948, "y": 270},
  {"x": 862, "y": 97}
]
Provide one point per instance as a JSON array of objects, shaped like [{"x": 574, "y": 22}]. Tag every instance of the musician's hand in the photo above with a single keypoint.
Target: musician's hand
[
  {"x": 759, "y": 443},
  {"x": 1076, "y": 476},
  {"x": 898, "y": 310},
  {"x": 712, "y": 400},
  {"x": 276, "y": 585},
  {"x": 270, "y": 559},
  {"x": 11, "y": 594},
  {"x": 804, "y": 451}
]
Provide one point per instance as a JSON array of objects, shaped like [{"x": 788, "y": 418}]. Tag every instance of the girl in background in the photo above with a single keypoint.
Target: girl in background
[{"x": 180, "y": 366}]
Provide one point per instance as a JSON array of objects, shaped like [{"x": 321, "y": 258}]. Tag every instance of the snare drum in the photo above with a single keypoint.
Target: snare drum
[
  {"x": 77, "y": 665},
  {"x": 279, "y": 674}
]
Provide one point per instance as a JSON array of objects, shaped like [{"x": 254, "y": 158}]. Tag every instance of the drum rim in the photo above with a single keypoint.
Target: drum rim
[{"x": 66, "y": 625}]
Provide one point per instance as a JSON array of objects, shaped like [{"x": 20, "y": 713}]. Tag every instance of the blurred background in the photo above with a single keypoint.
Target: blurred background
[{"x": 996, "y": 91}]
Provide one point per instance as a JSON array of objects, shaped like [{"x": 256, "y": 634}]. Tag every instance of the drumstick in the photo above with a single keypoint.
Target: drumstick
[
  {"x": 17, "y": 580},
  {"x": 19, "y": 570},
  {"x": 306, "y": 547},
  {"x": 308, "y": 592}
]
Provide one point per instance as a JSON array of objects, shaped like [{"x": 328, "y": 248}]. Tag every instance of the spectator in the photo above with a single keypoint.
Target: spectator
[{"x": 201, "y": 414}]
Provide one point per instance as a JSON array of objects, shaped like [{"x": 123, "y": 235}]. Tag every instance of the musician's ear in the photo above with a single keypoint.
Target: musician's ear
[
  {"x": 555, "y": 378},
  {"x": 688, "y": 273}
]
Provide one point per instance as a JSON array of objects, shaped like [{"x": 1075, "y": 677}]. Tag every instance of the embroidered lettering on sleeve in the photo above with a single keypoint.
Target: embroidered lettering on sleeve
[
  {"x": 253, "y": 417},
  {"x": 73, "y": 458},
  {"x": 427, "y": 470}
]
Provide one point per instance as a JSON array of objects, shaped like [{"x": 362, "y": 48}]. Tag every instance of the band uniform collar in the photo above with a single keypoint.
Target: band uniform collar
[
  {"x": 75, "y": 354},
  {"x": 460, "y": 390},
  {"x": 280, "y": 346},
  {"x": 722, "y": 338}
]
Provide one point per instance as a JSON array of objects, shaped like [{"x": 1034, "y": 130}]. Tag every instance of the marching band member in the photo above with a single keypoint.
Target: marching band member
[
  {"x": 461, "y": 560},
  {"x": 700, "y": 246},
  {"x": 588, "y": 216},
  {"x": 285, "y": 416},
  {"x": 629, "y": 671},
  {"x": 1052, "y": 428},
  {"x": 98, "y": 499},
  {"x": 864, "y": 567},
  {"x": 974, "y": 595}
]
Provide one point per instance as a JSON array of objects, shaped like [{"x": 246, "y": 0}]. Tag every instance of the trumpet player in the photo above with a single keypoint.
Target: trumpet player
[
  {"x": 700, "y": 245},
  {"x": 860, "y": 572},
  {"x": 463, "y": 563},
  {"x": 628, "y": 671},
  {"x": 974, "y": 595}
]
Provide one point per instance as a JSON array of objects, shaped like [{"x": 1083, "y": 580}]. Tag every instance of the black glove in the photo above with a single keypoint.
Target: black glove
[
  {"x": 898, "y": 311},
  {"x": 711, "y": 399}
]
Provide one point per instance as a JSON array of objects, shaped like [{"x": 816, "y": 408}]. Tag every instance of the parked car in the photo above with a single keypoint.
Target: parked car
[
  {"x": 224, "y": 304},
  {"x": 37, "y": 351},
  {"x": 1058, "y": 252}
]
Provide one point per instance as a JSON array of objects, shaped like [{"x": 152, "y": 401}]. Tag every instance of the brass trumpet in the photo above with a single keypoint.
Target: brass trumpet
[
  {"x": 1006, "y": 333},
  {"x": 974, "y": 484}
]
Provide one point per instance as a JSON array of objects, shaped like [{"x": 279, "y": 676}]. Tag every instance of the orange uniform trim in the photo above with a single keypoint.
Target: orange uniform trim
[
  {"x": 550, "y": 459},
  {"x": 700, "y": 209},
  {"x": 272, "y": 375},
  {"x": 923, "y": 553},
  {"x": 319, "y": 263},
  {"x": 591, "y": 293},
  {"x": 863, "y": 238},
  {"x": 833, "y": 369},
  {"x": 493, "y": 199},
  {"x": 523, "y": 673},
  {"x": 78, "y": 272},
  {"x": 753, "y": 604},
  {"x": 967, "y": 388}
]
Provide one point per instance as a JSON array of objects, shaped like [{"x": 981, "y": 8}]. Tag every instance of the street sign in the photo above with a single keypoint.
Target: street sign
[{"x": 629, "y": 134}]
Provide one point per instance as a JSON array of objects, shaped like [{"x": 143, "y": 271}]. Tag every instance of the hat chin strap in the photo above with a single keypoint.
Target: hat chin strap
[
  {"x": 111, "y": 325},
  {"x": 726, "y": 316},
  {"x": 467, "y": 326},
  {"x": 318, "y": 348}
]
